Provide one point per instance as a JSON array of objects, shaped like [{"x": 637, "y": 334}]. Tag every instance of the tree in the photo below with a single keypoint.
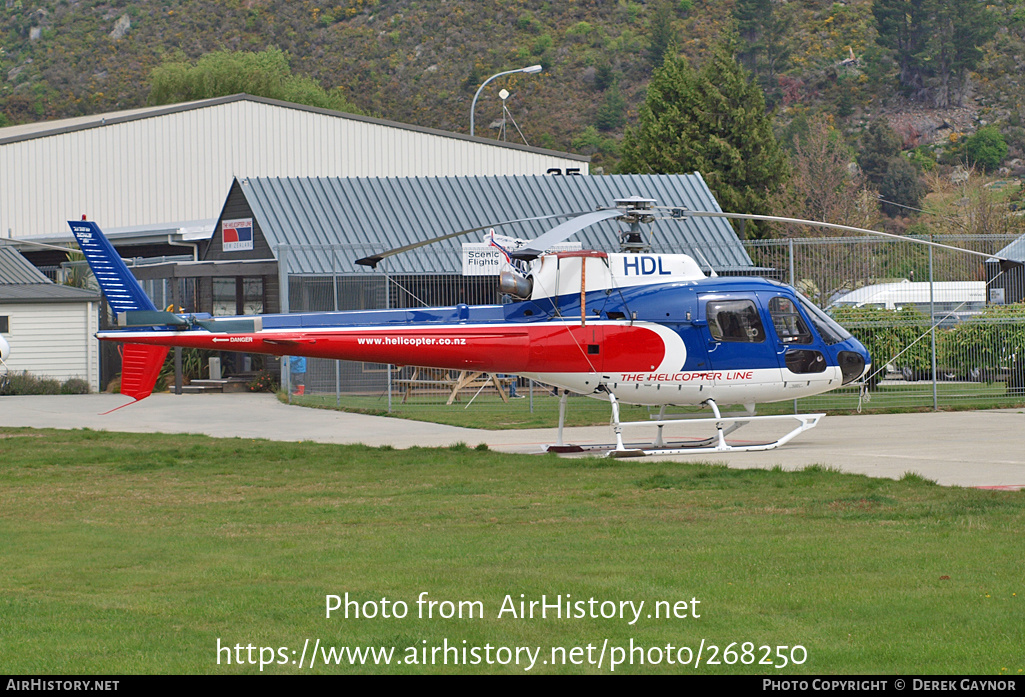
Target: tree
[
  {"x": 667, "y": 137},
  {"x": 612, "y": 113},
  {"x": 823, "y": 185},
  {"x": 879, "y": 145},
  {"x": 896, "y": 178},
  {"x": 936, "y": 43},
  {"x": 763, "y": 33},
  {"x": 903, "y": 28},
  {"x": 713, "y": 121},
  {"x": 218, "y": 74},
  {"x": 661, "y": 33},
  {"x": 901, "y": 187}
]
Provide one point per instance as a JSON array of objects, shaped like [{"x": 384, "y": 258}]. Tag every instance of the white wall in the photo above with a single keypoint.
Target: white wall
[
  {"x": 178, "y": 166},
  {"x": 54, "y": 340}
]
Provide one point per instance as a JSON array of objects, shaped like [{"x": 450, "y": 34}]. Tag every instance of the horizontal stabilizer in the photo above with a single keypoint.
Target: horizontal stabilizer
[
  {"x": 150, "y": 318},
  {"x": 159, "y": 318},
  {"x": 249, "y": 325}
]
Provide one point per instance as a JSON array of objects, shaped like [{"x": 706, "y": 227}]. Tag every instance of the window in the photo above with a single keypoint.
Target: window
[
  {"x": 790, "y": 327},
  {"x": 735, "y": 320},
  {"x": 805, "y": 361},
  {"x": 5, "y": 324},
  {"x": 826, "y": 326}
]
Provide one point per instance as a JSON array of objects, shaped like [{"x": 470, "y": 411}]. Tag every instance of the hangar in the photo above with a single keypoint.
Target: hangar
[
  {"x": 1006, "y": 285},
  {"x": 157, "y": 166}
]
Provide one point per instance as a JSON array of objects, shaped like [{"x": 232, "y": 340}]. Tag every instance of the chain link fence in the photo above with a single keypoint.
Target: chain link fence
[{"x": 938, "y": 323}]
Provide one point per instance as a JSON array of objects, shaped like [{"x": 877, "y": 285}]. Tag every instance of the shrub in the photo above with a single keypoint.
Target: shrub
[
  {"x": 986, "y": 148},
  {"x": 24, "y": 383},
  {"x": 265, "y": 381},
  {"x": 75, "y": 386},
  {"x": 886, "y": 333}
]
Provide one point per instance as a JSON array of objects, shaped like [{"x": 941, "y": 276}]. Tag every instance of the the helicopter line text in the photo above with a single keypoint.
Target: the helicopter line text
[{"x": 716, "y": 376}]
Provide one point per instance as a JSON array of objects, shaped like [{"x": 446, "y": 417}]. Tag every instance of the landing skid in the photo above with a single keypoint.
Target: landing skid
[{"x": 724, "y": 424}]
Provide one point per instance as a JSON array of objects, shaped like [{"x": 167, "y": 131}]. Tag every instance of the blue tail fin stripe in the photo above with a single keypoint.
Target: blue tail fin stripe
[{"x": 117, "y": 282}]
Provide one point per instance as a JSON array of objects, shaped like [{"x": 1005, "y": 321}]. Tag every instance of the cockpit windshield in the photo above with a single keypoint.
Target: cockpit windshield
[{"x": 828, "y": 329}]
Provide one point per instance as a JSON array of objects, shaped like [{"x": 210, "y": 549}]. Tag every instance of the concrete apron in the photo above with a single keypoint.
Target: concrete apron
[{"x": 972, "y": 448}]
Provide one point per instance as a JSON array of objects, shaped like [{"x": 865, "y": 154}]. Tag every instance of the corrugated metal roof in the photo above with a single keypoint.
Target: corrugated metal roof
[
  {"x": 375, "y": 214},
  {"x": 45, "y": 292},
  {"x": 20, "y": 281},
  {"x": 1014, "y": 251},
  {"x": 17, "y": 270}
]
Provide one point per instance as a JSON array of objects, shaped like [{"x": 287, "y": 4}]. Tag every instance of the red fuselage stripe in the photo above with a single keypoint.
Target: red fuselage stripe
[{"x": 559, "y": 348}]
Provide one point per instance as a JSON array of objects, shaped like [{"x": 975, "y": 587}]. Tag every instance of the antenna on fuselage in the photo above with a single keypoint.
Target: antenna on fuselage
[{"x": 711, "y": 271}]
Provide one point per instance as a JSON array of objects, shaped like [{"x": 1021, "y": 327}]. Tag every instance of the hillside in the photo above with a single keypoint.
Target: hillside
[{"x": 420, "y": 62}]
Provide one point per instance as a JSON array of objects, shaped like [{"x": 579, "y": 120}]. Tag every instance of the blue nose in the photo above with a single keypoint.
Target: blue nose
[{"x": 854, "y": 362}]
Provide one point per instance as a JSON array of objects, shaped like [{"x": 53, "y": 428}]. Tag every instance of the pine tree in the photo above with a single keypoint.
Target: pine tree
[
  {"x": 661, "y": 34},
  {"x": 935, "y": 42},
  {"x": 880, "y": 144},
  {"x": 713, "y": 122},
  {"x": 903, "y": 28},
  {"x": 666, "y": 137},
  {"x": 763, "y": 37}
]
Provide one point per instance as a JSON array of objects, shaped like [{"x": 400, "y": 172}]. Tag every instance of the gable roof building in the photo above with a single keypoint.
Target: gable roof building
[
  {"x": 50, "y": 327},
  {"x": 368, "y": 215}
]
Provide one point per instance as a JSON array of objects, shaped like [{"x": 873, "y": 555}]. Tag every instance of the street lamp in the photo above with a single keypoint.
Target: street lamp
[{"x": 529, "y": 69}]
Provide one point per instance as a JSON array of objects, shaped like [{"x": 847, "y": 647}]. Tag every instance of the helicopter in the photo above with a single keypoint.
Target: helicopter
[{"x": 631, "y": 327}]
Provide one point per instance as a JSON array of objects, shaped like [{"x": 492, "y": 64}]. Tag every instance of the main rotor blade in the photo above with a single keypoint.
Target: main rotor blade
[
  {"x": 1004, "y": 262},
  {"x": 374, "y": 259},
  {"x": 563, "y": 231}
]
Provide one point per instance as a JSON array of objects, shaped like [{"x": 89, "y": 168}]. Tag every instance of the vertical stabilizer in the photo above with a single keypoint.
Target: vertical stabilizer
[
  {"x": 140, "y": 367},
  {"x": 140, "y": 364},
  {"x": 116, "y": 281}
]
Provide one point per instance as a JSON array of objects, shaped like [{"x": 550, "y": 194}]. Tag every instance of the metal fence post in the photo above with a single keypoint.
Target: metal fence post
[
  {"x": 334, "y": 292},
  {"x": 286, "y": 377},
  {"x": 387, "y": 306},
  {"x": 176, "y": 300},
  {"x": 793, "y": 284},
  {"x": 793, "y": 281},
  {"x": 932, "y": 331}
]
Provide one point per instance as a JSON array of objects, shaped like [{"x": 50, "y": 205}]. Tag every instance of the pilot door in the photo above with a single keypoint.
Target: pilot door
[
  {"x": 801, "y": 352},
  {"x": 744, "y": 360}
]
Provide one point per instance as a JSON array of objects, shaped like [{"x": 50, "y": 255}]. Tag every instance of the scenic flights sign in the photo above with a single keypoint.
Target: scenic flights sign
[{"x": 486, "y": 258}]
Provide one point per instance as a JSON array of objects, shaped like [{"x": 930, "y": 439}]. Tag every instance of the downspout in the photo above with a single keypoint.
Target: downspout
[{"x": 191, "y": 245}]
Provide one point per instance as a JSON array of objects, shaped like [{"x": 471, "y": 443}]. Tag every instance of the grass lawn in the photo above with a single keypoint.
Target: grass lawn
[{"x": 127, "y": 553}]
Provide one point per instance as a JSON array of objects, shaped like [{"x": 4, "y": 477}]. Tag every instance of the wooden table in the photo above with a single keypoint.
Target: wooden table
[{"x": 437, "y": 378}]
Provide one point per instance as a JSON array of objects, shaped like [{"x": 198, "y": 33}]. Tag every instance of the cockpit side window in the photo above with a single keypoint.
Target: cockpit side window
[
  {"x": 828, "y": 329},
  {"x": 734, "y": 320},
  {"x": 789, "y": 325}
]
